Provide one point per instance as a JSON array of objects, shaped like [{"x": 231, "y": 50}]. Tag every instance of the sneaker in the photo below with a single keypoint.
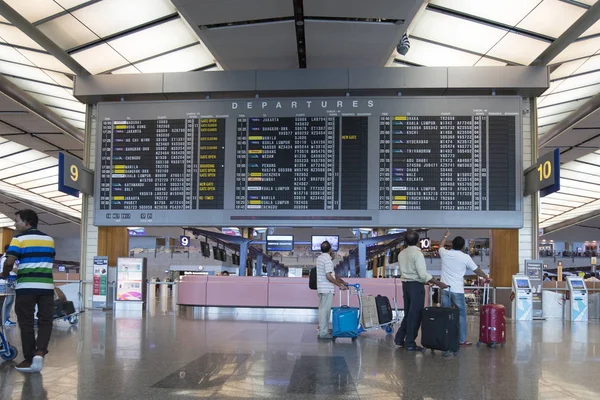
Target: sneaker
[
  {"x": 399, "y": 344},
  {"x": 8, "y": 322},
  {"x": 24, "y": 366},
  {"x": 414, "y": 348},
  {"x": 465, "y": 343},
  {"x": 37, "y": 364}
]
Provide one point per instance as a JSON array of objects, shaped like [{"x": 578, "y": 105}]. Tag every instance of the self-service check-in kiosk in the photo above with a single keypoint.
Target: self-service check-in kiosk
[
  {"x": 577, "y": 309},
  {"x": 522, "y": 305}
]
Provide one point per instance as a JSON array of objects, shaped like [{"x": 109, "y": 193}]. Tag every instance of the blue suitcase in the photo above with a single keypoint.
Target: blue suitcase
[{"x": 345, "y": 322}]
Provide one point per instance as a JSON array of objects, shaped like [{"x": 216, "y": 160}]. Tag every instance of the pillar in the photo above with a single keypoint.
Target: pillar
[
  {"x": 113, "y": 242},
  {"x": 5, "y": 238},
  {"x": 504, "y": 256}
]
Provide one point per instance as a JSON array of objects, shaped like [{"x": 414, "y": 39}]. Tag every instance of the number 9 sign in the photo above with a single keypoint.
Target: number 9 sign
[
  {"x": 74, "y": 172},
  {"x": 184, "y": 241}
]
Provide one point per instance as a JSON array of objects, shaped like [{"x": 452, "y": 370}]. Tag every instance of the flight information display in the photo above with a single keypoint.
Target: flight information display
[{"x": 355, "y": 162}]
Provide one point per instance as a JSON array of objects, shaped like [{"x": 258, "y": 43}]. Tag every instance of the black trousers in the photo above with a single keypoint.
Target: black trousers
[
  {"x": 25, "y": 309},
  {"x": 414, "y": 302}
]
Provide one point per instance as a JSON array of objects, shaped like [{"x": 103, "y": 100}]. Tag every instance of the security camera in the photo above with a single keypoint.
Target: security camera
[{"x": 403, "y": 45}]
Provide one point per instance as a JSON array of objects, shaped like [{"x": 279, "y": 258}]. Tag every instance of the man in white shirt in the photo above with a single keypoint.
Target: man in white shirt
[
  {"x": 326, "y": 283},
  {"x": 455, "y": 264}
]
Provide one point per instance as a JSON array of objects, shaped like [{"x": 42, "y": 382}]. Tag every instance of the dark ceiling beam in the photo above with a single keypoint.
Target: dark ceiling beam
[
  {"x": 588, "y": 19},
  {"x": 17, "y": 94},
  {"x": 37, "y": 36}
]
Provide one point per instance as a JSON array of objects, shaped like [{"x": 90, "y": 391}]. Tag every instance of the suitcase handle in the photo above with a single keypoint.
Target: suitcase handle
[{"x": 485, "y": 299}]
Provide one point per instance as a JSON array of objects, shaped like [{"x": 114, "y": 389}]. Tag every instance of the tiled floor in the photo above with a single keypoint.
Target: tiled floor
[{"x": 168, "y": 355}]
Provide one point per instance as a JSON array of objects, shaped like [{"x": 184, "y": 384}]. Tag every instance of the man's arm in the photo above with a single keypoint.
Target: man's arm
[
  {"x": 443, "y": 242},
  {"x": 336, "y": 281},
  {"x": 479, "y": 272},
  {"x": 8, "y": 266}
]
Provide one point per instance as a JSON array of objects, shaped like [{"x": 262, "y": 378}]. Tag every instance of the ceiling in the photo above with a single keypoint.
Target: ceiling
[{"x": 148, "y": 36}]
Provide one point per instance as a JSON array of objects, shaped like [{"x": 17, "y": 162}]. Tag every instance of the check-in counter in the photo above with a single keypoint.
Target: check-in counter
[
  {"x": 191, "y": 290},
  {"x": 231, "y": 291},
  {"x": 291, "y": 292}
]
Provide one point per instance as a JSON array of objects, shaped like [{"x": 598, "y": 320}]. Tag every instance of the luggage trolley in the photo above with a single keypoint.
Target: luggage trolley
[
  {"x": 7, "y": 352},
  {"x": 388, "y": 327}
]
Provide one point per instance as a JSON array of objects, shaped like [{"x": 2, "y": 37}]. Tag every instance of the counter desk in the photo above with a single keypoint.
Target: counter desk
[{"x": 275, "y": 292}]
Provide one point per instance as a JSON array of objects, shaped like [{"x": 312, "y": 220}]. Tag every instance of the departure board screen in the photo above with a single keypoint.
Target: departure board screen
[{"x": 347, "y": 162}]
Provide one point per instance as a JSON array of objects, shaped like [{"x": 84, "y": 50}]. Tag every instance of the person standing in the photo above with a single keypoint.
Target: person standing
[
  {"x": 414, "y": 277},
  {"x": 35, "y": 287},
  {"x": 9, "y": 301},
  {"x": 455, "y": 264},
  {"x": 326, "y": 283}
]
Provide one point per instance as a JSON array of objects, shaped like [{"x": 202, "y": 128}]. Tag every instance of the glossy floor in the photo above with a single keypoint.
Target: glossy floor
[{"x": 166, "y": 354}]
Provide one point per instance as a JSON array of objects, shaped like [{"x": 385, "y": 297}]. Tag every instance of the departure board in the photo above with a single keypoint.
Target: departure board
[
  {"x": 346, "y": 162},
  {"x": 444, "y": 163}
]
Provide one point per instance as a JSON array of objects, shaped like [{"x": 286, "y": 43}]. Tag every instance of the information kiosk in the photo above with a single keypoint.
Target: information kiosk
[
  {"x": 577, "y": 309},
  {"x": 522, "y": 306}
]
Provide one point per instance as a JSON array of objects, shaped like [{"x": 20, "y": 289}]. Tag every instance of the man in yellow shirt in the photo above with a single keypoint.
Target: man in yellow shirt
[{"x": 414, "y": 277}]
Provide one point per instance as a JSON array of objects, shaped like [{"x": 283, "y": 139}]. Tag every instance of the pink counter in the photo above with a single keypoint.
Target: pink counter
[{"x": 249, "y": 291}]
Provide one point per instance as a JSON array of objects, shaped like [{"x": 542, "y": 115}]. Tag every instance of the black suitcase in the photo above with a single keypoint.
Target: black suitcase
[
  {"x": 68, "y": 308},
  {"x": 312, "y": 279},
  {"x": 384, "y": 309},
  {"x": 440, "y": 330}
]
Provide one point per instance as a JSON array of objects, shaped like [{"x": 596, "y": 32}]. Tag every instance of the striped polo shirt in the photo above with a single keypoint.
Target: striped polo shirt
[{"x": 35, "y": 252}]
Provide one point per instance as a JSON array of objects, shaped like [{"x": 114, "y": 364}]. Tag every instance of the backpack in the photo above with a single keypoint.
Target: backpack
[{"x": 312, "y": 279}]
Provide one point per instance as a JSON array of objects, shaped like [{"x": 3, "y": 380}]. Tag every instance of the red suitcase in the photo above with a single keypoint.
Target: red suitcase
[{"x": 492, "y": 322}]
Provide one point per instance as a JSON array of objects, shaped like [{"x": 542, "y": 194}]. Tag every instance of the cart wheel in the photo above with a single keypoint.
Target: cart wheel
[
  {"x": 446, "y": 354},
  {"x": 478, "y": 344},
  {"x": 333, "y": 339},
  {"x": 354, "y": 339},
  {"x": 493, "y": 345},
  {"x": 389, "y": 329},
  {"x": 455, "y": 353},
  {"x": 433, "y": 351},
  {"x": 12, "y": 354},
  {"x": 73, "y": 319},
  {"x": 502, "y": 344}
]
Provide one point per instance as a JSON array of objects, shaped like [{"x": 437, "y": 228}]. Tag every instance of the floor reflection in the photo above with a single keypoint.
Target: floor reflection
[{"x": 164, "y": 353}]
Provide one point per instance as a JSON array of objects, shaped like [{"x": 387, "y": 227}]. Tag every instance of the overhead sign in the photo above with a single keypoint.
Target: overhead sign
[
  {"x": 425, "y": 244},
  {"x": 593, "y": 261},
  {"x": 73, "y": 177},
  {"x": 544, "y": 176},
  {"x": 184, "y": 241}
]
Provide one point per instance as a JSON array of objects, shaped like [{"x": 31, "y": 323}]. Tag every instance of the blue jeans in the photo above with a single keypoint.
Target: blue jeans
[
  {"x": 458, "y": 300},
  {"x": 7, "y": 306}
]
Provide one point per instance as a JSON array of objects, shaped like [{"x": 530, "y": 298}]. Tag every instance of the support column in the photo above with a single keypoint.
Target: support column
[
  {"x": 258, "y": 266},
  {"x": 113, "y": 242},
  {"x": 6, "y": 236},
  {"x": 504, "y": 255}
]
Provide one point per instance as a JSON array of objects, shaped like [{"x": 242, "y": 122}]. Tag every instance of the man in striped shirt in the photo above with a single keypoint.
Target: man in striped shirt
[{"x": 35, "y": 286}]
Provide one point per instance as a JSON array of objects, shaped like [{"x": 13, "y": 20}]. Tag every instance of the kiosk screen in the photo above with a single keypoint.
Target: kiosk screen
[
  {"x": 522, "y": 284},
  {"x": 577, "y": 284}
]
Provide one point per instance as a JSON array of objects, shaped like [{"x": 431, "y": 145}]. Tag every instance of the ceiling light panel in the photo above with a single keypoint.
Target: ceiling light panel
[
  {"x": 69, "y": 114},
  {"x": 567, "y": 68},
  {"x": 46, "y": 61},
  {"x": 26, "y": 195},
  {"x": 592, "y": 30},
  {"x": 25, "y": 72},
  {"x": 508, "y": 12},
  {"x": 578, "y": 192},
  {"x": 35, "y": 10},
  {"x": 67, "y": 4},
  {"x": 457, "y": 32},
  {"x": 433, "y": 55},
  {"x": 7, "y": 148},
  {"x": 579, "y": 49},
  {"x": 8, "y": 53},
  {"x": 23, "y": 157},
  {"x": 569, "y": 183},
  {"x": 67, "y": 32},
  {"x": 45, "y": 189},
  {"x": 58, "y": 102},
  {"x": 155, "y": 40},
  {"x": 570, "y": 95},
  {"x": 578, "y": 176},
  {"x": 518, "y": 48},
  {"x": 130, "y": 69},
  {"x": 488, "y": 62},
  {"x": 178, "y": 61},
  {"x": 579, "y": 81},
  {"x": 559, "y": 202},
  {"x": 553, "y": 86},
  {"x": 551, "y": 18},
  {"x": 590, "y": 64},
  {"x": 48, "y": 89},
  {"x": 39, "y": 182},
  {"x": 33, "y": 176},
  {"x": 575, "y": 200},
  {"x": 552, "y": 119},
  {"x": 13, "y": 35},
  {"x": 99, "y": 58},
  {"x": 559, "y": 108},
  {"x": 111, "y": 16}
]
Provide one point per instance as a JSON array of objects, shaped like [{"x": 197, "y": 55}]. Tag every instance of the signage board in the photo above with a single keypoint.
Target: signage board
[
  {"x": 544, "y": 176},
  {"x": 99, "y": 298}
]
